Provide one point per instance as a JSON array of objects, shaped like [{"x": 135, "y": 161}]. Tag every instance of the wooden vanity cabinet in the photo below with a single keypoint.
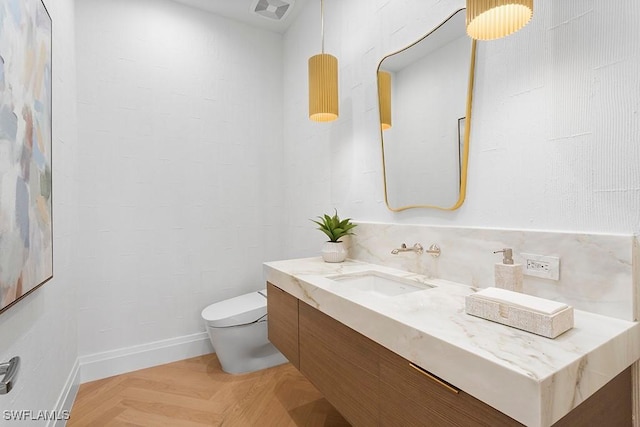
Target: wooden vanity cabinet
[
  {"x": 282, "y": 309},
  {"x": 373, "y": 386},
  {"x": 611, "y": 406},
  {"x": 370, "y": 385},
  {"x": 342, "y": 364},
  {"x": 411, "y": 396}
]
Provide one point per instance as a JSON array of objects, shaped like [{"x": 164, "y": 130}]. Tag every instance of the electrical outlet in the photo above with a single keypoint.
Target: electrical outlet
[{"x": 546, "y": 267}]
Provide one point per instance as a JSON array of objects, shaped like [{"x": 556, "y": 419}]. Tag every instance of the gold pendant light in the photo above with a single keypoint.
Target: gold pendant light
[
  {"x": 493, "y": 19},
  {"x": 384, "y": 95},
  {"x": 323, "y": 83}
]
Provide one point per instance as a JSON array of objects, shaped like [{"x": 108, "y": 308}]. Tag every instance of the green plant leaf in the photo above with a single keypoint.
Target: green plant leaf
[
  {"x": 328, "y": 233},
  {"x": 333, "y": 227},
  {"x": 344, "y": 223},
  {"x": 347, "y": 229}
]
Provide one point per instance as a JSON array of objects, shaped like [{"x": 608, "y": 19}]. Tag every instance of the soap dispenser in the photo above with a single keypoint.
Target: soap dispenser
[{"x": 507, "y": 274}]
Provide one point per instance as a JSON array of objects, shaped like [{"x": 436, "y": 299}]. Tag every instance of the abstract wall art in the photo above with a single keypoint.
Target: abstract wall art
[{"x": 26, "y": 234}]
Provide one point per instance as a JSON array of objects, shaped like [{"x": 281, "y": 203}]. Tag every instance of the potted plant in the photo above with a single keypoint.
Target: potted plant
[{"x": 334, "y": 250}]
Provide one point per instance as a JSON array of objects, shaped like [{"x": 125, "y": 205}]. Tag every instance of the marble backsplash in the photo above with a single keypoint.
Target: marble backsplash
[{"x": 599, "y": 273}]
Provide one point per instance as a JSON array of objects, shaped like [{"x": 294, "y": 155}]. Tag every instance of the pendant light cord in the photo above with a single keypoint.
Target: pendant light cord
[{"x": 322, "y": 22}]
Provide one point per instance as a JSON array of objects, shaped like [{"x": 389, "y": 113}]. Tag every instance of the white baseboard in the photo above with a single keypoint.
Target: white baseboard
[
  {"x": 109, "y": 363},
  {"x": 67, "y": 397}
]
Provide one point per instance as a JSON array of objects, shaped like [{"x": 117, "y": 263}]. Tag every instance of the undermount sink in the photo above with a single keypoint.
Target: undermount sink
[{"x": 380, "y": 284}]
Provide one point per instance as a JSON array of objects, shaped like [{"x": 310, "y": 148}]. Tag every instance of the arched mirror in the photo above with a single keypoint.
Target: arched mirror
[{"x": 424, "y": 93}]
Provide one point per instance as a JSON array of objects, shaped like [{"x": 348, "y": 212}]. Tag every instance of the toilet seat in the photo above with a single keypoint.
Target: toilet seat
[{"x": 237, "y": 311}]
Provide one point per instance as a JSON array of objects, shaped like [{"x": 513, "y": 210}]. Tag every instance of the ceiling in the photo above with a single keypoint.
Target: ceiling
[{"x": 242, "y": 10}]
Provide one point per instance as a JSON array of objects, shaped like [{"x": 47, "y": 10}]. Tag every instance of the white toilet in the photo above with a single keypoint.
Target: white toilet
[{"x": 237, "y": 328}]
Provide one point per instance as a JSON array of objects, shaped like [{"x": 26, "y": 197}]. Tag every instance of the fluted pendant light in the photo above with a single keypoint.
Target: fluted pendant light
[
  {"x": 493, "y": 19},
  {"x": 323, "y": 83},
  {"x": 384, "y": 95}
]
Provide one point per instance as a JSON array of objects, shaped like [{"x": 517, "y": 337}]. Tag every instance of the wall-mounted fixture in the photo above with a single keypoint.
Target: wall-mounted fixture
[
  {"x": 9, "y": 370},
  {"x": 323, "y": 83},
  {"x": 384, "y": 92},
  {"x": 434, "y": 249},
  {"x": 493, "y": 19}
]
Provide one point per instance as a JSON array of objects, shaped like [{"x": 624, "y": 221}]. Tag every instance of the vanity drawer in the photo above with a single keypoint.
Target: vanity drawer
[
  {"x": 411, "y": 396},
  {"x": 342, "y": 364},
  {"x": 282, "y": 309}
]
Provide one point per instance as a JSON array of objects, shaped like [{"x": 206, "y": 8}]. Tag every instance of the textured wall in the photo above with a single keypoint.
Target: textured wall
[
  {"x": 554, "y": 143},
  {"x": 181, "y": 149},
  {"x": 41, "y": 328}
]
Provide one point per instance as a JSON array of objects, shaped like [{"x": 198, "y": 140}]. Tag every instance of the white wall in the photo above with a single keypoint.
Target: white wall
[
  {"x": 181, "y": 196},
  {"x": 41, "y": 328},
  {"x": 554, "y": 142}
]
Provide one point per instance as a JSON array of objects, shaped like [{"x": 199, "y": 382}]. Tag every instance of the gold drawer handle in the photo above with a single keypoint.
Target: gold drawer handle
[{"x": 435, "y": 379}]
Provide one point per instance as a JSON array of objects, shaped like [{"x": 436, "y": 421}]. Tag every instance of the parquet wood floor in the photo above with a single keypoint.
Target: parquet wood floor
[{"x": 196, "y": 392}]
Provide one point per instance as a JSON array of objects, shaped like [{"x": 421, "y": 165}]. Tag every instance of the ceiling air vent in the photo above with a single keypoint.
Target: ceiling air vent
[{"x": 272, "y": 9}]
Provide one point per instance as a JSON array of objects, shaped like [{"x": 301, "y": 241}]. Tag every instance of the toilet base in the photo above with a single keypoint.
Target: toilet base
[
  {"x": 244, "y": 349},
  {"x": 269, "y": 357}
]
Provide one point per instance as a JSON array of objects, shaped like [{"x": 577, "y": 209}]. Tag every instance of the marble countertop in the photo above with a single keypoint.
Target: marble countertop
[{"x": 533, "y": 379}]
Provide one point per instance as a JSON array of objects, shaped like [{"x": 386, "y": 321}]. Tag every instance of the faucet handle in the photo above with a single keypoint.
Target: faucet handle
[
  {"x": 417, "y": 247},
  {"x": 434, "y": 250}
]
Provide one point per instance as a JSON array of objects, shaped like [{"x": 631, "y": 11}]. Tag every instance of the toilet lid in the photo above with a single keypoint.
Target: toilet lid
[{"x": 236, "y": 311}]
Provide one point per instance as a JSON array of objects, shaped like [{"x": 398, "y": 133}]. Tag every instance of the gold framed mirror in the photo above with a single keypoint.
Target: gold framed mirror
[{"x": 424, "y": 95}]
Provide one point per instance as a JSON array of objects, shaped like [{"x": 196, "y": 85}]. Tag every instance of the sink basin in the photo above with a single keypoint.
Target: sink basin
[{"x": 380, "y": 284}]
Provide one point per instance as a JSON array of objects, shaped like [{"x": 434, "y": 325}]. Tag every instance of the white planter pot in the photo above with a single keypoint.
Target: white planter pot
[{"x": 334, "y": 252}]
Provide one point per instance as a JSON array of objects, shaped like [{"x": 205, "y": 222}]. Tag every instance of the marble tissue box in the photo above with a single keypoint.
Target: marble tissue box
[{"x": 526, "y": 312}]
